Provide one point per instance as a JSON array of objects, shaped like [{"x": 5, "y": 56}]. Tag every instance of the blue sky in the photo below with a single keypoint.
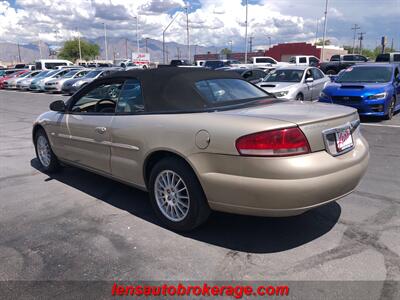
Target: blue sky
[{"x": 212, "y": 22}]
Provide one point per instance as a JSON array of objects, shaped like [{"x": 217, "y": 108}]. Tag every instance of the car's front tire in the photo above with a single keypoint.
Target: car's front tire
[
  {"x": 176, "y": 195},
  {"x": 391, "y": 107},
  {"x": 300, "y": 97},
  {"x": 44, "y": 154}
]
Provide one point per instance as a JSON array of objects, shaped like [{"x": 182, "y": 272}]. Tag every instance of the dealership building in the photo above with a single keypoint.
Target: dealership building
[{"x": 281, "y": 52}]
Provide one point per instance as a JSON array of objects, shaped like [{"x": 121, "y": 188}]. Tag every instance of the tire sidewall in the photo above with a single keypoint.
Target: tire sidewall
[
  {"x": 54, "y": 165},
  {"x": 391, "y": 113},
  {"x": 196, "y": 194}
]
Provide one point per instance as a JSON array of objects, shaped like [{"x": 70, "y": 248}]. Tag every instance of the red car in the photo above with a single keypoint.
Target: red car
[{"x": 12, "y": 75}]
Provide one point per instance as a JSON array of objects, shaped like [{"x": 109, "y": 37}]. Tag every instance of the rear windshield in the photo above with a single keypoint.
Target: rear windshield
[
  {"x": 366, "y": 74},
  {"x": 213, "y": 64},
  {"x": 228, "y": 91},
  {"x": 70, "y": 74}
]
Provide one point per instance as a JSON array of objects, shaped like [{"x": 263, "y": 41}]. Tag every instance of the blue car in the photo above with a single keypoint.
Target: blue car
[{"x": 372, "y": 88}]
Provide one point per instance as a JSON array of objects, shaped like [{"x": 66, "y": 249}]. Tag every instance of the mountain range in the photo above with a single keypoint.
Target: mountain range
[{"x": 117, "y": 48}]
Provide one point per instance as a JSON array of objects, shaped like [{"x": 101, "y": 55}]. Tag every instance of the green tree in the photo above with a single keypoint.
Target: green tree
[
  {"x": 70, "y": 50},
  {"x": 225, "y": 51}
]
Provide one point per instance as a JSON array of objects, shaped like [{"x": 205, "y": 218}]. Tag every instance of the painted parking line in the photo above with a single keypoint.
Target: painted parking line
[{"x": 380, "y": 125}]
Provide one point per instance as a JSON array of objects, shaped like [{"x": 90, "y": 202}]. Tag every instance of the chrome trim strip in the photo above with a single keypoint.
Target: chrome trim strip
[{"x": 105, "y": 143}]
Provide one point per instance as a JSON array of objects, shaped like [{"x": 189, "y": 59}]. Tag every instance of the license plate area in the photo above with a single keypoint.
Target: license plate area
[{"x": 339, "y": 140}]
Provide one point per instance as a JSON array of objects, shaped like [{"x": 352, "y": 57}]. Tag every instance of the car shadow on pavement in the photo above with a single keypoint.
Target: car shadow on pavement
[{"x": 234, "y": 232}]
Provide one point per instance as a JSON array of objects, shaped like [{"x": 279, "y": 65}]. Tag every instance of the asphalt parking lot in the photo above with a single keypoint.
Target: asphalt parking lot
[{"x": 79, "y": 226}]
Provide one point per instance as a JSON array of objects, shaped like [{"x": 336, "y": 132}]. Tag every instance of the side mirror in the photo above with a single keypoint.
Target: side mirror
[
  {"x": 398, "y": 79},
  {"x": 58, "y": 105},
  {"x": 309, "y": 80}
]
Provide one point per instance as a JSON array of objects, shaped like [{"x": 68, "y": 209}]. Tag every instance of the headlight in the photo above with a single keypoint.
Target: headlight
[
  {"x": 377, "y": 96},
  {"x": 323, "y": 95},
  {"x": 281, "y": 94}
]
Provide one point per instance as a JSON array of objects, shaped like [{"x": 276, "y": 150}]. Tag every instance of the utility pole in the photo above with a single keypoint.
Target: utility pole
[
  {"x": 163, "y": 36},
  {"x": 187, "y": 31},
  {"x": 392, "y": 46},
  {"x": 178, "y": 52},
  {"x": 360, "y": 38},
  {"x": 145, "y": 41},
  {"x": 269, "y": 42},
  {"x": 230, "y": 44},
  {"x": 105, "y": 40},
  {"x": 245, "y": 35},
  {"x": 316, "y": 33},
  {"x": 355, "y": 28},
  {"x": 126, "y": 48},
  {"x": 166, "y": 51},
  {"x": 40, "y": 49},
  {"x": 325, "y": 25},
  {"x": 19, "y": 52},
  {"x": 251, "y": 44}
]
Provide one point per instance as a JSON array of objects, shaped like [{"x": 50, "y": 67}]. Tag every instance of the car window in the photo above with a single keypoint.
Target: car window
[
  {"x": 396, "y": 57},
  {"x": 258, "y": 74},
  {"x": 348, "y": 57},
  {"x": 302, "y": 60},
  {"x": 313, "y": 61},
  {"x": 335, "y": 58},
  {"x": 383, "y": 57},
  {"x": 309, "y": 74},
  {"x": 265, "y": 60},
  {"x": 292, "y": 60},
  {"x": 130, "y": 98},
  {"x": 228, "y": 90},
  {"x": 101, "y": 99},
  {"x": 317, "y": 74},
  {"x": 248, "y": 75}
]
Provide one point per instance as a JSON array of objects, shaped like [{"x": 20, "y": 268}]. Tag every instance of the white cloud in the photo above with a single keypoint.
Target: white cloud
[{"x": 214, "y": 22}]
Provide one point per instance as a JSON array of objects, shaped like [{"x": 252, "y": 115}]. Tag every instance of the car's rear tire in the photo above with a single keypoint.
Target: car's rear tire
[
  {"x": 176, "y": 195},
  {"x": 300, "y": 97},
  {"x": 391, "y": 107},
  {"x": 331, "y": 72},
  {"x": 47, "y": 159}
]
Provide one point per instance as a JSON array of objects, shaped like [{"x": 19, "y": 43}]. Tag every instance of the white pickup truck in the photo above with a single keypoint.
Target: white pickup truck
[{"x": 304, "y": 60}]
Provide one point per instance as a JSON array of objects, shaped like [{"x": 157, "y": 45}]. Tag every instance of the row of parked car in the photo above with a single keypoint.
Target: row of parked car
[
  {"x": 65, "y": 80},
  {"x": 372, "y": 88}
]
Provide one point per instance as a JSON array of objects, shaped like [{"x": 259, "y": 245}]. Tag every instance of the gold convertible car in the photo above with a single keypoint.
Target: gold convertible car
[{"x": 200, "y": 140}]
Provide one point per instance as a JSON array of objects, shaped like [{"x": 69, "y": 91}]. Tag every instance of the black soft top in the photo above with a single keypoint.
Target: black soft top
[{"x": 173, "y": 89}]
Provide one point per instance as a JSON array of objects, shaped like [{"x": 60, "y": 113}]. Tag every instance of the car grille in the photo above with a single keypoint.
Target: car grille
[{"x": 347, "y": 98}]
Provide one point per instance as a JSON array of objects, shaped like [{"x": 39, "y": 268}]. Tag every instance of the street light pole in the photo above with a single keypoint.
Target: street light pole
[
  {"x": 245, "y": 36},
  {"x": 79, "y": 44},
  {"x": 325, "y": 25},
  {"x": 269, "y": 40},
  {"x": 187, "y": 31},
  {"x": 105, "y": 40},
  {"x": 163, "y": 35},
  {"x": 137, "y": 33}
]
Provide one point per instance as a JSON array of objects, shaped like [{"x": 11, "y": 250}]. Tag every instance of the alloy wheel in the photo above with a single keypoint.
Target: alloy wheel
[{"x": 172, "y": 195}]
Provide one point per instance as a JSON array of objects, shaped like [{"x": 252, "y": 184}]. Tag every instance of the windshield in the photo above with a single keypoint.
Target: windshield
[
  {"x": 284, "y": 76},
  {"x": 51, "y": 73},
  {"x": 42, "y": 74},
  {"x": 366, "y": 74},
  {"x": 92, "y": 74},
  {"x": 70, "y": 74}
]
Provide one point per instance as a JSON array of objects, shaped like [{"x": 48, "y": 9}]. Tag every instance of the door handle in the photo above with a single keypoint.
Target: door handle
[{"x": 100, "y": 130}]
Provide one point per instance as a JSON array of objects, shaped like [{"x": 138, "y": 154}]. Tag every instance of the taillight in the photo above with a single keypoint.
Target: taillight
[{"x": 280, "y": 142}]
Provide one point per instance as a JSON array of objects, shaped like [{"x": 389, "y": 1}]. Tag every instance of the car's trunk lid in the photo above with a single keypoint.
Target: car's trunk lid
[{"x": 312, "y": 118}]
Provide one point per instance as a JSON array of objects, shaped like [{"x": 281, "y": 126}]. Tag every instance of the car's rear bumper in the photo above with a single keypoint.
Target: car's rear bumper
[{"x": 280, "y": 186}]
